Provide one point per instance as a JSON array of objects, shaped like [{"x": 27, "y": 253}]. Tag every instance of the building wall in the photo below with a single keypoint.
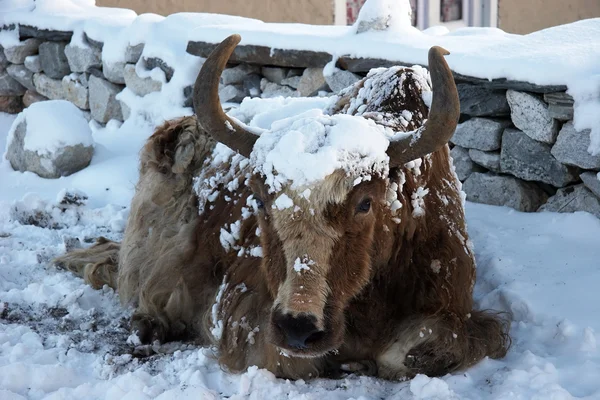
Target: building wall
[
  {"x": 319, "y": 12},
  {"x": 525, "y": 16}
]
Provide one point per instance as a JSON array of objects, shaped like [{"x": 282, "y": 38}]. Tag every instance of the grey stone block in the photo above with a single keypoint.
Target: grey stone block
[
  {"x": 75, "y": 91},
  {"x": 571, "y": 148},
  {"x": 103, "y": 104},
  {"x": 22, "y": 75},
  {"x": 139, "y": 86},
  {"x": 530, "y": 114},
  {"x": 501, "y": 190},
  {"x": 81, "y": 59},
  {"x": 53, "y": 60},
  {"x": 31, "y": 96},
  {"x": 572, "y": 199},
  {"x": 114, "y": 71},
  {"x": 32, "y": 63},
  {"x": 65, "y": 161},
  {"x": 238, "y": 73},
  {"x": 271, "y": 89},
  {"x": 560, "y": 105},
  {"x": 48, "y": 87},
  {"x": 311, "y": 82},
  {"x": 275, "y": 74},
  {"x": 592, "y": 181},
  {"x": 341, "y": 79},
  {"x": 480, "y": 133},
  {"x": 17, "y": 54},
  {"x": 487, "y": 159},
  {"x": 480, "y": 101},
  {"x": 9, "y": 86},
  {"x": 531, "y": 160},
  {"x": 463, "y": 165}
]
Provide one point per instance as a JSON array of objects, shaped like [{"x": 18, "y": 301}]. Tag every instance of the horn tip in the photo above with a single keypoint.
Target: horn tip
[
  {"x": 438, "y": 51},
  {"x": 233, "y": 39}
]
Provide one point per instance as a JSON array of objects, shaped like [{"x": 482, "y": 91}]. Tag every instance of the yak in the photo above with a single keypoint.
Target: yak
[{"x": 371, "y": 276}]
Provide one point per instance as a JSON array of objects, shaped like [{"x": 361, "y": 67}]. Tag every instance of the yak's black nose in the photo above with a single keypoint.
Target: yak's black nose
[{"x": 299, "y": 331}]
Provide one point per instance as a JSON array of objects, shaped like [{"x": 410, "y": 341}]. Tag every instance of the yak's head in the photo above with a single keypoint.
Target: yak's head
[{"x": 318, "y": 239}]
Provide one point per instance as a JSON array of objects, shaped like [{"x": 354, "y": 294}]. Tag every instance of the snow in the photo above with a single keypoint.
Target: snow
[
  {"x": 307, "y": 147},
  {"x": 61, "y": 339},
  {"x": 52, "y": 125}
]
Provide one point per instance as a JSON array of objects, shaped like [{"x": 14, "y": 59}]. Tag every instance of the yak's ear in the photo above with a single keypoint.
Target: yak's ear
[{"x": 184, "y": 154}]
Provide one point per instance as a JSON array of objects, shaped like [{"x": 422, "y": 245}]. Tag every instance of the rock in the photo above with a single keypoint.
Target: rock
[
  {"x": 501, "y": 190},
  {"x": 139, "y": 86},
  {"x": 292, "y": 81},
  {"x": 32, "y": 63},
  {"x": 31, "y": 96},
  {"x": 92, "y": 42},
  {"x": 27, "y": 31},
  {"x": 252, "y": 85},
  {"x": 592, "y": 181},
  {"x": 231, "y": 93},
  {"x": 238, "y": 73},
  {"x": 53, "y": 59},
  {"x": 188, "y": 91},
  {"x": 75, "y": 91},
  {"x": 463, "y": 165},
  {"x": 560, "y": 105},
  {"x": 530, "y": 114},
  {"x": 531, "y": 160},
  {"x": 21, "y": 74},
  {"x": 153, "y": 62},
  {"x": 341, "y": 79},
  {"x": 11, "y": 104},
  {"x": 103, "y": 104},
  {"x": 9, "y": 86},
  {"x": 114, "y": 71},
  {"x": 59, "y": 140},
  {"x": 3, "y": 61},
  {"x": 270, "y": 89},
  {"x": 18, "y": 53},
  {"x": 487, "y": 159},
  {"x": 265, "y": 55},
  {"x": 48, "y": 87},
  {"x": 480, "y": 133},
  {"x": 571, "y": 148},
  {"x": 311, "y": 82},
  {"x": 133, "y": 53},
  {"x": 125, "y": 110},
  {"x": 571, "y": 199},
  {"x": 81, "y": 59},
  {"x": 479, "y": 101},
  {"x": 275, "y": 74}
]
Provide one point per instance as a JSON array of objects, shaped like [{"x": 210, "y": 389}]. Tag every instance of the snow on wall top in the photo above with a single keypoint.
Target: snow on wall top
[{"x": 563, "y": 55}]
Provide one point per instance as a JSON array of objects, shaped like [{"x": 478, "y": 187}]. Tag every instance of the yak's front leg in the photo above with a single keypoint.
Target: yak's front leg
[{"x": 439, "y": 344}]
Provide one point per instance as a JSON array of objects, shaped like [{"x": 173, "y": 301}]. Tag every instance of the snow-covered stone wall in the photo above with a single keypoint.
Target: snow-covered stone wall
[{"x": 517, "y": 144}]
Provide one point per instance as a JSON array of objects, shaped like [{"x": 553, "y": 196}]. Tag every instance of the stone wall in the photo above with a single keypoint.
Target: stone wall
[{"x": 515, "y": 145}]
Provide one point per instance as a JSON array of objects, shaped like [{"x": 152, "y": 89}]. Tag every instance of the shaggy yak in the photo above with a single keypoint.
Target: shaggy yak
[{"x": 371, "y": 276}]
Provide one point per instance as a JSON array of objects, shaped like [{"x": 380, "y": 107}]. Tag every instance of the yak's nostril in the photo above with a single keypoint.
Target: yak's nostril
[{"x": 299, "y": 331}]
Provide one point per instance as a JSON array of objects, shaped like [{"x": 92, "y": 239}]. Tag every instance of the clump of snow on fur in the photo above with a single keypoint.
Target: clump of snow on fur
[
  {"x": 303, "y": 264},
  {"x": 306, "y": 148},
  {"x": 52, "y": 125},
  {"x": 217, "y": 329},
  {"x": 283, "y": 201}
]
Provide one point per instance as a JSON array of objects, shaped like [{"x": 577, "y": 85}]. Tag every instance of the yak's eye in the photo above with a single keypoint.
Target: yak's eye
[
  {"x": 364, "y": 206},
  {"x": 259, "y": 203}
]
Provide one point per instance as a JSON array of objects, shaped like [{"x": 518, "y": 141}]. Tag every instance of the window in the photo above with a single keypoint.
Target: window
[{"x": 450, "y": 13}]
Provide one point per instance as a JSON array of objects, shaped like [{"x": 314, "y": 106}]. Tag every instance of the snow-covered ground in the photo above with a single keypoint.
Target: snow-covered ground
[{"x": 59, "y": 339}]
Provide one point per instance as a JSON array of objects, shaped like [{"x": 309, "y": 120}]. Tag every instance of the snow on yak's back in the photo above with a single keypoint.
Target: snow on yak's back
[{"x": 346, "y": 254}]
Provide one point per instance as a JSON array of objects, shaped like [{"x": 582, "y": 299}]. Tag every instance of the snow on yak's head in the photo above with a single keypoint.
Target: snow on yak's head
[{"x": 320, "y": 183}]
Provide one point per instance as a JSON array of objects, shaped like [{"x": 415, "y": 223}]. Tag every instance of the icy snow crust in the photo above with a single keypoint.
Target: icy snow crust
[{"x": 563, "y": 55}]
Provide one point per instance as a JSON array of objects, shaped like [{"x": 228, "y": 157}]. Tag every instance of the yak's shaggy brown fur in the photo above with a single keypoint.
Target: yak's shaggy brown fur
[{"x": 389, "y": 292}]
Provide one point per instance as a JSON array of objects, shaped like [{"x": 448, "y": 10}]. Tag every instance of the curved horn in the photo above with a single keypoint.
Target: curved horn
[
  {"x": 207, "y": 106},
  {"x": 443, "y": 115}
]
